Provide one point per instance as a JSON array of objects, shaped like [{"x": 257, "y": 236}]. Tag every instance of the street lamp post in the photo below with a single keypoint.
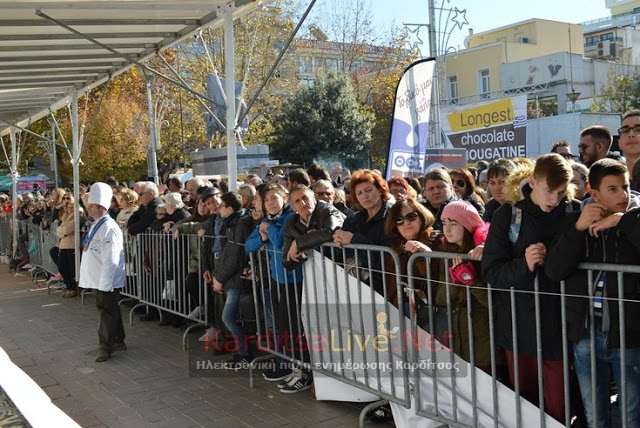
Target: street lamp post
[
  {"x": 442, "y": 22},
  {"x": 573, "y": 97}
]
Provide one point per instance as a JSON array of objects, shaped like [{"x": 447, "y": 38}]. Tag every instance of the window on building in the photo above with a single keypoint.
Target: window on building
[
  {"x": 484, "y": 85},
  {"x": 452, "y": 89},
  {"x": 304, "y": 65}
]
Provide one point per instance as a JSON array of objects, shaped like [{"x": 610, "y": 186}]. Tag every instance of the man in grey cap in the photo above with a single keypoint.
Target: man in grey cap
[{"x": 102, "y": 269}]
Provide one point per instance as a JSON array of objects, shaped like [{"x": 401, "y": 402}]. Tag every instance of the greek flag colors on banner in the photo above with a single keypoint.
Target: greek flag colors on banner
[
  {"x": 488, "y": 130},
  {"x": 410, "y": 126}
]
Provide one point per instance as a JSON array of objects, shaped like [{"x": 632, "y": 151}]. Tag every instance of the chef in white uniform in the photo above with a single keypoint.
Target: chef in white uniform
[{"x": 102, "y": 269}]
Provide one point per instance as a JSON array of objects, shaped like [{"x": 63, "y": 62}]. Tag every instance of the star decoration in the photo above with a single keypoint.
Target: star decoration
[{"x": 460, "y": 18}]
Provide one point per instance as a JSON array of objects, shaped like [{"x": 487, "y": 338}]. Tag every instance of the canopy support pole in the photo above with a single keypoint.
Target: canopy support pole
[
  {"x": 14, "y": 179},
  {"x": 76, "y": 178},
  {"x": 230, "y": 89},
  {"x": 152, "y": 160}
]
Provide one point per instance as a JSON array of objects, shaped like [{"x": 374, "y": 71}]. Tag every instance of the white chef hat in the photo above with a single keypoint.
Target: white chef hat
[{"x": 100, "y": 194}]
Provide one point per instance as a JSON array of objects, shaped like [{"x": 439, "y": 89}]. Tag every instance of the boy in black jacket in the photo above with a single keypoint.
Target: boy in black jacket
[
  {"x": 602, "y": 233},
  {"x": 516, "y": 248}
]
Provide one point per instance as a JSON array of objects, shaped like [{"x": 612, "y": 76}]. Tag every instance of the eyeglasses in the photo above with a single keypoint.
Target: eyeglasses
[
  {"x": 626, "y": 129},
  {"x": 411, "y": 217},
  {"x": 582, "y": 146},
  {"x": 460, "y": 183}
]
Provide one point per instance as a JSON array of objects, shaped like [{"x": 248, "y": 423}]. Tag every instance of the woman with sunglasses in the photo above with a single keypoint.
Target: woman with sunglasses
[
  {"x": 464, "y": 185},
  {"x": 410, "y": 224}
]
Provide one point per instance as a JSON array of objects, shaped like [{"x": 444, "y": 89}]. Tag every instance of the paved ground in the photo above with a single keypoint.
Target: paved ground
[{"x": 53, "y": 340}]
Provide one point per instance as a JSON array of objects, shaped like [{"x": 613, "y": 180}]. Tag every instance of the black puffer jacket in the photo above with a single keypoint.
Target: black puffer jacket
[
  {"x": 620, "y": 245},
  {"x": 504, "y": 267},
  {"x": 324, "y": 220},
  {"x": 228, "y": 269}
]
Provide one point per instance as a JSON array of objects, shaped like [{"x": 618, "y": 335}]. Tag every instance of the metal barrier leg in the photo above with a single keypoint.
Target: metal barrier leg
[
  {"x": 185, "y": 335},
  {"x": 251, "y": 366},
  {"x": 368, "y": 408},
  {"x": 133, "y": 309}
]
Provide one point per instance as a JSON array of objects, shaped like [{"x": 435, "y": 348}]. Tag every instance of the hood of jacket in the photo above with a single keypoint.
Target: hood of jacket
[{"x": 519, "y": 179}]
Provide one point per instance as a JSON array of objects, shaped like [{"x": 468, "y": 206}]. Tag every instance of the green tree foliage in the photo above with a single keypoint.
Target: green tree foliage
[
  {"x": 325, "y": 119},
  {"x": 620, "y": 94}
]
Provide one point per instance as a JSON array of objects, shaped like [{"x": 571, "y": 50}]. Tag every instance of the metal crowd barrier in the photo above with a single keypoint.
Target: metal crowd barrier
[
  {"x": 446, "y": 397},
  {"x": 49, "y": 240},
  {"x": 5, "y": 236},
  {"x": 338, "y": 325},
  {"x": 159, "y": 264}
]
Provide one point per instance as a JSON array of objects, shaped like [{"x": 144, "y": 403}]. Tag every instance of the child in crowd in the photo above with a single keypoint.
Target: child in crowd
[
  {"x": 602, "y": 233},
  {"x": 536, "y": 202},
  {"x": 463, "y": 230},
  {"x": 284, "y": 287}
]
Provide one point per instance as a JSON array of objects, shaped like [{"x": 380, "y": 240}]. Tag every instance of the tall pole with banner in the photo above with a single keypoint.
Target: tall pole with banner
[{"x": 411, "y": 115}]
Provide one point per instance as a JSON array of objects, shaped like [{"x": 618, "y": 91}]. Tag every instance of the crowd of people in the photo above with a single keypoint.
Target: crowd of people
[{"x": 517, "y": 224}]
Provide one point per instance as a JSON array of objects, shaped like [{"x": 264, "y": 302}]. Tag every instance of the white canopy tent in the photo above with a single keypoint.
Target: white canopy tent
[{"x": 52, "y": 52}]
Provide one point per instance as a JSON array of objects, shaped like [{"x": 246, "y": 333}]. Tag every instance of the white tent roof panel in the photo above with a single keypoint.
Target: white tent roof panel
[{"x": 41, "y": 63}]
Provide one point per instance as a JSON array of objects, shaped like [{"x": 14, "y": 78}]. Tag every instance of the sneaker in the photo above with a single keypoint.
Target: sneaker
[
  {"x": 32, "y": 268},
  {"x": 284, "y": 382},
  {"x": 277, "y": 373},
  {"x": 59, "y": 286},
  {"x": 238, "y": 362},
  {"x": 26, "y": 266},
  {"x": 195, "y": 314},
  {"x": 56, "y": 277},
  {"x": 299, "y": 383}
]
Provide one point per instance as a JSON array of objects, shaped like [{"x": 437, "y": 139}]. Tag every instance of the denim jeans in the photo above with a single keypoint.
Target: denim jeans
[
  {"x": 607, "y": 360},
  {"x": 230, "y": 317}
]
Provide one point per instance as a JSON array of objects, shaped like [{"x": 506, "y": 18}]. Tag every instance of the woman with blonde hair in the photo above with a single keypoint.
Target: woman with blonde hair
[
  {"x": 128, "y": 203},
  {"x": 67, "y": 256}
]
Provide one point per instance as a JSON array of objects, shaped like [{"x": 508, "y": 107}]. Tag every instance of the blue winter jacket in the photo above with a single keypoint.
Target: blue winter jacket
[{"x": 275, "y": 231}]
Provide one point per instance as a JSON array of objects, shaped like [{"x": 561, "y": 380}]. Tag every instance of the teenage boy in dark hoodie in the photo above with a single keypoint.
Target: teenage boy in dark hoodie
[
  {"x": 602, "y": 233},
  {"x": 513, "y": 255}
]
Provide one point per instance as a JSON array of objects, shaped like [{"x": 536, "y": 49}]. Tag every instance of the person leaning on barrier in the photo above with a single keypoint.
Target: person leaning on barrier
[
  {"x": 102, "y": 269},
  {"x": 515, "y": 250},
  {"x": 148, "y": 201},
  {"x": 463, "y": 231},
  {"x": 190, "y": 227},
  {"x": 602, "y": 233},
  {"x": 410, "y": 225},
  {"x": 228, "y": 272},
  {"x": 67, "y": 245},
  {"x": 269, "y": 233},
  {"x": 311, "y": 226},
  {"x": 210, "y": 252},
  {"x": 366, "y": 226},
  {"x": 128, "y": 203}
]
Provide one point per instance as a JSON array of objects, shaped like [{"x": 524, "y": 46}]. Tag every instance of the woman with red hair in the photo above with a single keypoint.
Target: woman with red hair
[{"x": 366, "y": 226}]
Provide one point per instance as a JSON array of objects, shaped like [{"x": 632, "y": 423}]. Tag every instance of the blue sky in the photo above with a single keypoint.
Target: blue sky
[{"x": 482, "y": 14}]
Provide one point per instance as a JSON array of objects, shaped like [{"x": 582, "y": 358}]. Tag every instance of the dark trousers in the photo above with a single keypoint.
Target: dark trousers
[
  {"x": 552, "y": 379},
  {"x": 290, "y": 338},
  {"x": 111, "y": 329},
  {"x": 67, "y": 266},
  {"x": 54, "y": 252}
]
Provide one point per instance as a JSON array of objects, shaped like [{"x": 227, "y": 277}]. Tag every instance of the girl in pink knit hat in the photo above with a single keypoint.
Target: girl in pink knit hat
[{"x": 463, "y": 231}]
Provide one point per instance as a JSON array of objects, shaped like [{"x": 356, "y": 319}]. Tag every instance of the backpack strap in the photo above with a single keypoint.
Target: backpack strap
[{"x": 516, "y": 223}]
